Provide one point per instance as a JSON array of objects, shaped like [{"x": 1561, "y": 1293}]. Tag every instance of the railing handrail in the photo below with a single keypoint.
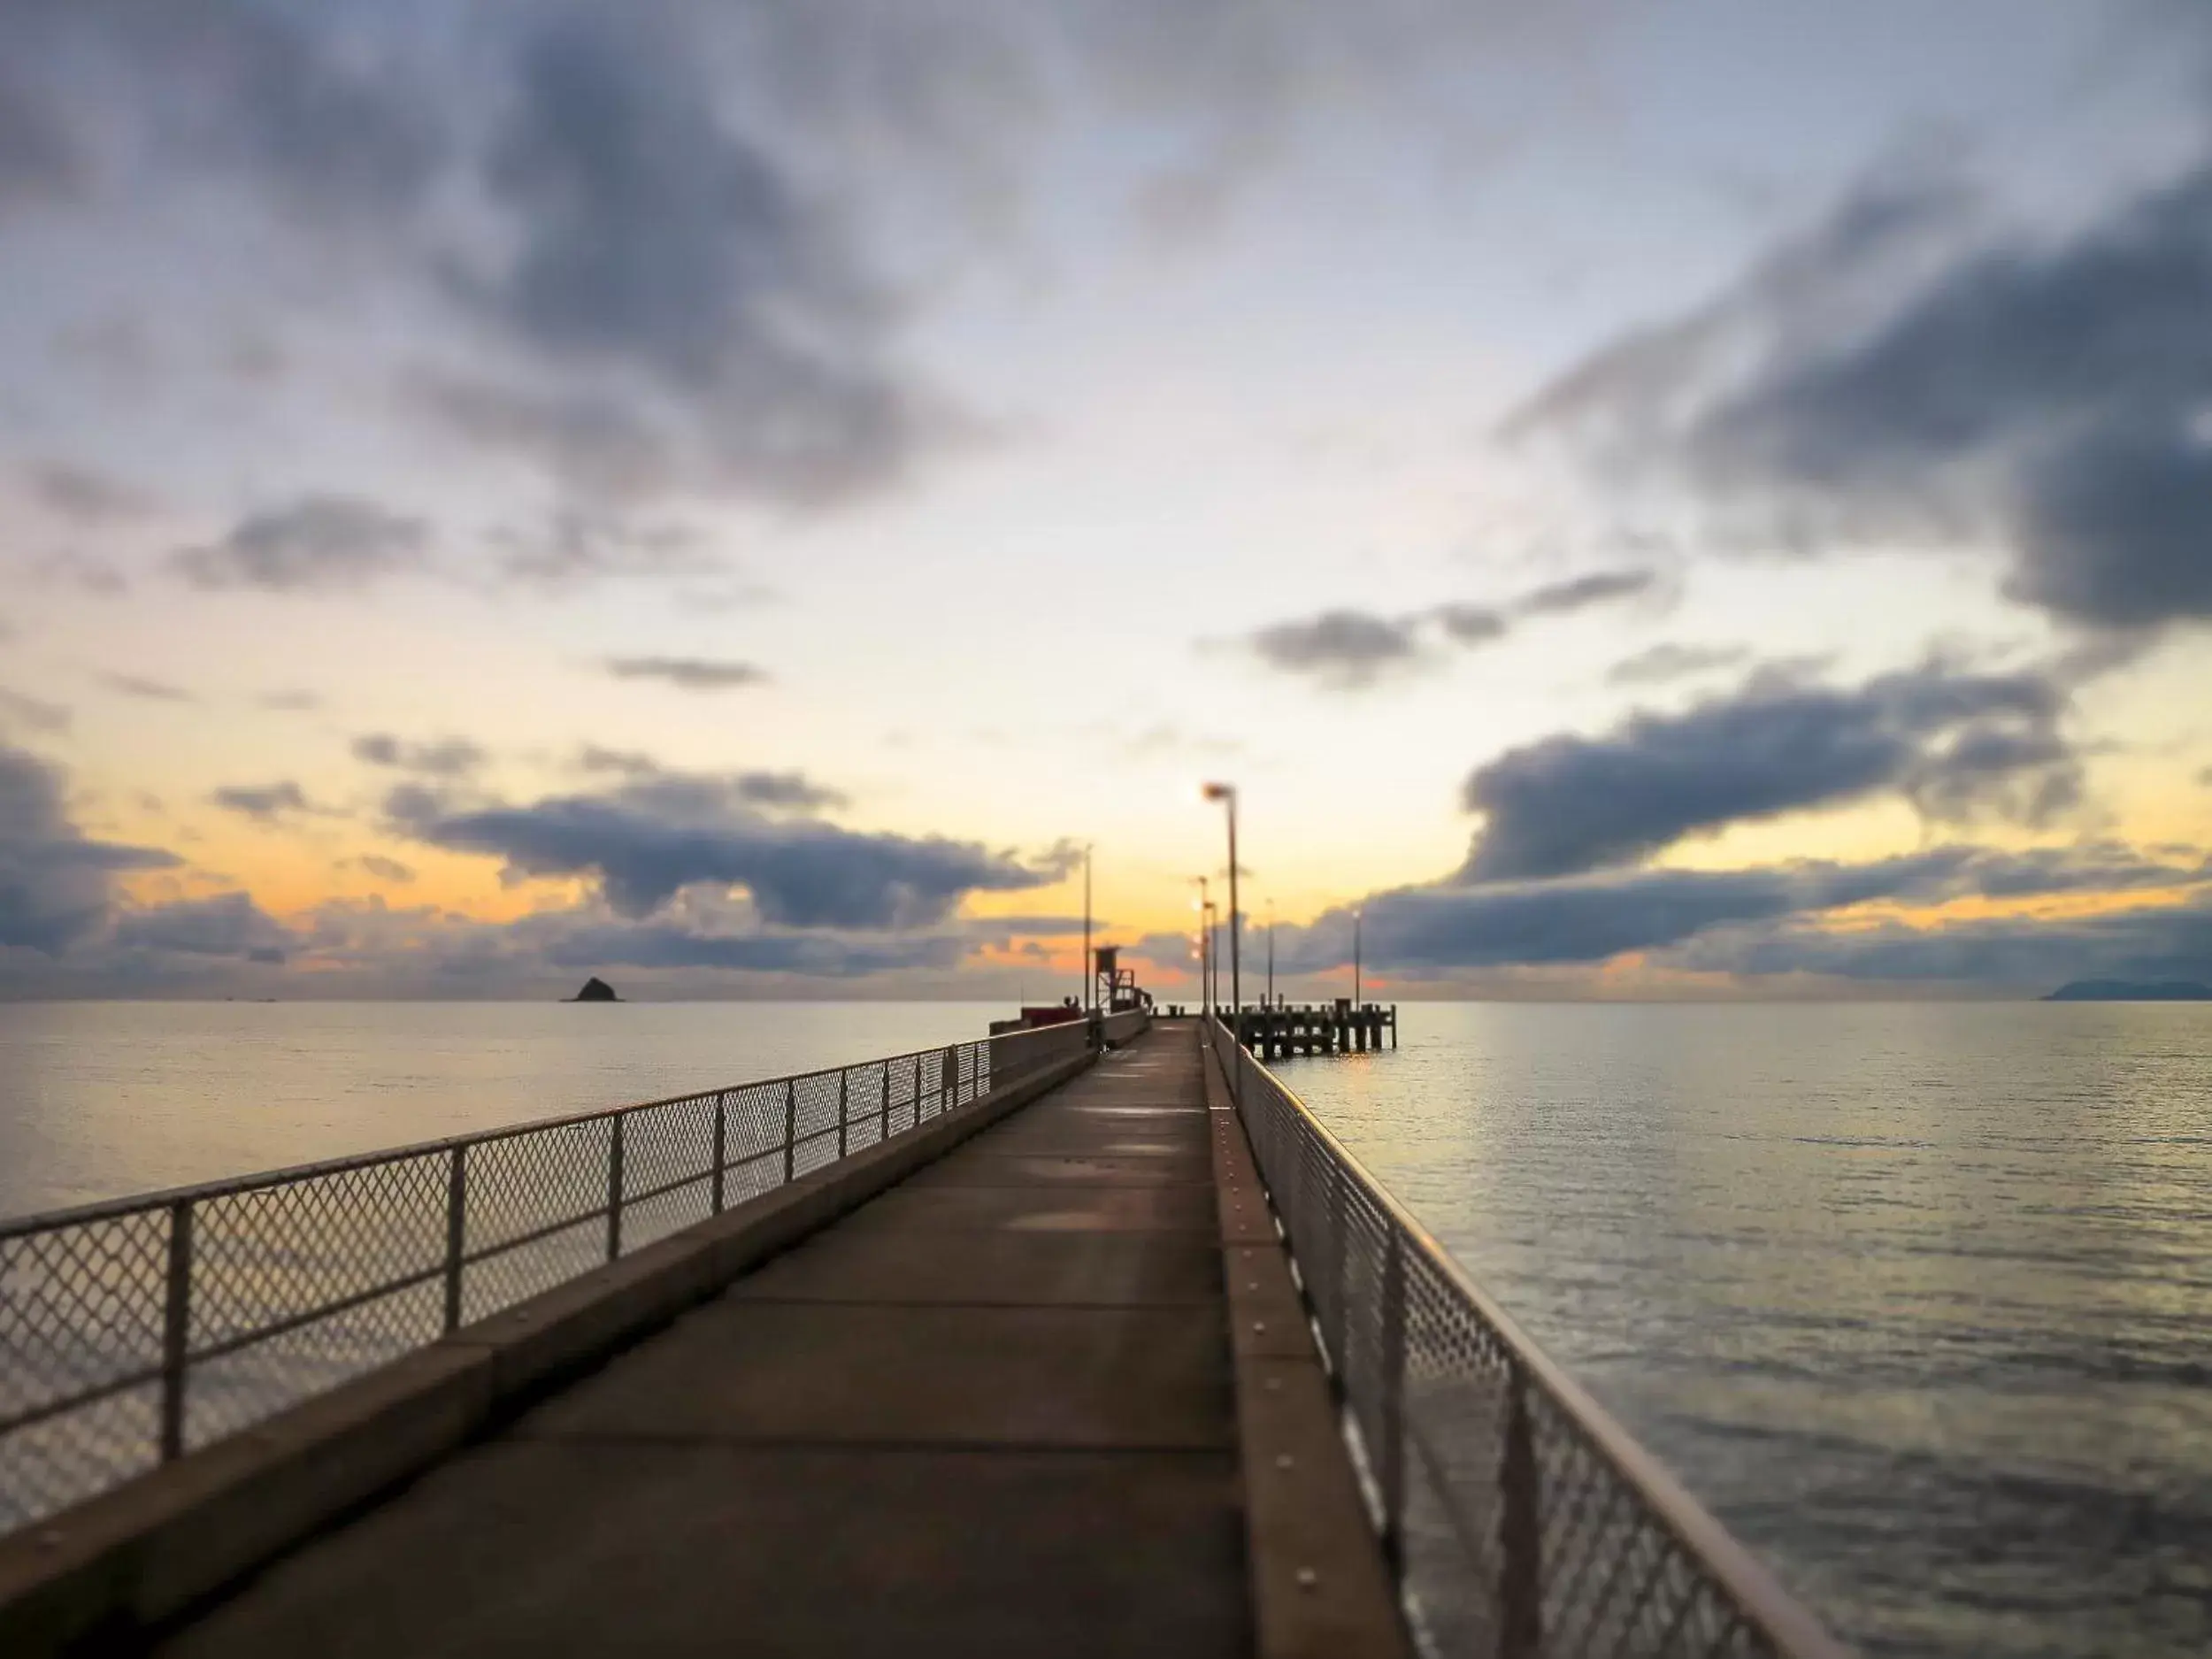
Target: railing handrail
[
  {"x": 1756, "y": 1593},
  {"x": 223, "y": 1186}
]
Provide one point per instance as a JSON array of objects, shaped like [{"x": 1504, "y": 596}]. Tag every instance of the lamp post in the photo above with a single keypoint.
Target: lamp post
[
  {"x": 1090, "y": 969},
  {"x": 1227, "y": 794},
  {"x": 1355, "y": 958},
  {"x": 1204, "y": 905},
  {"x": 1270, "y": 953}
]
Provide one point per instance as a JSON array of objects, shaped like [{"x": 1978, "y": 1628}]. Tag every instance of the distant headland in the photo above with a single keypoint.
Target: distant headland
[
  {"x": 596, "y": 990},
  {"x": 2131, "y": 991}
]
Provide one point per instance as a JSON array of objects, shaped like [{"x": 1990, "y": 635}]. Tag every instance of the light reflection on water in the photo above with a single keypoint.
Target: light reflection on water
[{"x": 1917, "y": 1297}]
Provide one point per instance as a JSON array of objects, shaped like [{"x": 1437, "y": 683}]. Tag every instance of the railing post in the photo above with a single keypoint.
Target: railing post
[
  {"x": 948, "y": 1081},
  {"x": 1336, "y": 1318},
  {"x": 1391, "y": 1471},
  {"x": 176, "y": 1330},
  {"x": 886, "y": 1134},
  {"x": 1521, "y": 1569},
  {"x": 456, "y": 1210},
  {"x": 841, "y": 1091},
  {"x": 614, "y": 1188},
  {"x": 790, "y": 1128},
  {"x": 721, "y": 1143}
]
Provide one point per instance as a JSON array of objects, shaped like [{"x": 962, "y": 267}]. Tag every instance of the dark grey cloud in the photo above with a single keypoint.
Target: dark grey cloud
[
  {"x": 332, "y": 125},
  {"x": 1345, "y": 649},
  {"x": 574, "y": 549},
  {"x": 34, "y": 714},
  {"x": 54, "y": 880},
  {"x": 1349, "y": 649},
  {"x": 1472, "y": 625},
  {"x": 788, "y": 791},
  {"x": 385, "y": 868},
  {"x": 445, "y": 758},
  {"x": 2048, "y": 394},
  {"x": 1586, "y": 920},
  {"x": 815, "y": 953},
  {"x": 689, "y": 673},
  {"x": 2030, "y": 953},
  {"x": 87, "y": 495},
  {"x": 315, "y": 544},
  {"x": 264, "y": 802},
  {"x": 227, "y": 924},
  {"x": 39, "y": 159},
  {"x": 1565, "y": 598},
  {"x": 655, "y": 237},
  {"x": 1659, "y": 664},
  {"x": 1955, "y": 742},
  {"x": 645, "y": 841},
  {"x": 146, "y": 690},
  {"x": 771, "y": 791}
]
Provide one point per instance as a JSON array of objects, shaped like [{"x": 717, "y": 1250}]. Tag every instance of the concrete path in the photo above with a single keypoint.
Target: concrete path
[{"x": 991, "y": 1412}]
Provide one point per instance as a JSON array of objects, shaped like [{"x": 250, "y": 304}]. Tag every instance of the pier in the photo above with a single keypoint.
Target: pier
[
  {"x": 1276, "y": 1033},
  {"x": 1082, "y": 1340}
]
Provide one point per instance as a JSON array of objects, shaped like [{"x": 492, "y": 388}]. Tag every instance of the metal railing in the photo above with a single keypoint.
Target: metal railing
[
  {"x": 134, "y": 1331},
  {"x": 1520, "y": 1517}
]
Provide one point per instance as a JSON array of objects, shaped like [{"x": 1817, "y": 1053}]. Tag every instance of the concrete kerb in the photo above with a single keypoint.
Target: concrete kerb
[
  {"x": 97, "y": 1576},
  {"x": 1319, "y": 1587}
]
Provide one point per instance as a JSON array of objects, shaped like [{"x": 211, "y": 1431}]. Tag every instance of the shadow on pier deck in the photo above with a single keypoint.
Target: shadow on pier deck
[{"x": 998, "y": 1410}]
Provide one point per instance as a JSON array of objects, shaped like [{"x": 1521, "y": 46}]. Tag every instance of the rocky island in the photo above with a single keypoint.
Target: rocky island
[{"x": 596, "y": 990}]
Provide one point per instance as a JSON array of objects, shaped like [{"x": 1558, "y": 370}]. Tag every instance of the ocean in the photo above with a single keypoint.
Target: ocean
[{"x": 1917, "y": 1297}]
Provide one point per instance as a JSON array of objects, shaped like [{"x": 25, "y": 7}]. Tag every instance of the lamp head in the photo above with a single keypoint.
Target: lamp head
[{"x": 1217, "y": 791}]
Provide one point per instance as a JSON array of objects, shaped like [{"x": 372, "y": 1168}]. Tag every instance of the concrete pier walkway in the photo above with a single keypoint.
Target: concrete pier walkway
[{"x": 997, "y": 1410}]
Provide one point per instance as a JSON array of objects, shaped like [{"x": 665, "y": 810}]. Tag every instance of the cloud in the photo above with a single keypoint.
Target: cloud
[
  {"x": 85, "y": 495},
  {"x": 2146, "y": 942},
  {"x": 316, "y": 544},
  {"x": 1955, "y": 743},
  {"x": 265, "y": 803},
  {"x": 773, "y": 791},
  {"x": 446, "y": 757},
  {"x": 645, "y": 841},
  {"x": 654, "y": 239},
  {"x": 1472, "y": 625},
  {"x": 689, "y": 673},
  {"x": 1342, "y": 649},
  {"x": 32, "y": 713},
  {"x": 39, "y": 161},
  {"x": 576, "y": 548},
  {"x": 54, "y": 881},
  {"x": 227, "y": 924},
  {"x": 1659, "y": 664},
  {"x": 2044, "y": 393},
  {"x": 288, "y": 701},
  {"x": 1348, "y": 650},
  {"x": 148, "y": 690},
  {"x": 385, "y": 868},
  {"x": 1587, "y": 919},
  {"x": 821, "y": 954},
  {"x": 792, "y": 791},
  {"x": 1560, "y": 599}
]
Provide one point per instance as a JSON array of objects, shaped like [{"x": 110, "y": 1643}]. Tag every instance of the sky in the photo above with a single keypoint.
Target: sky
[{"x": 1640, "y": 500}]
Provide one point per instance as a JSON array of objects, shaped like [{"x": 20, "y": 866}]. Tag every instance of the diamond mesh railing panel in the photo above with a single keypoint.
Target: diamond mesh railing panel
[
  {"x": 1520, "y": 1518},
  {"x": 140, "y": 1330}
]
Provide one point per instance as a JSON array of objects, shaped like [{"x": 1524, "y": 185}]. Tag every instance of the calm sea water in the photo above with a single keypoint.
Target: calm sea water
[
  {"x": 98, "y": 1099},
  {"x": 1918, "y": 1298}
]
